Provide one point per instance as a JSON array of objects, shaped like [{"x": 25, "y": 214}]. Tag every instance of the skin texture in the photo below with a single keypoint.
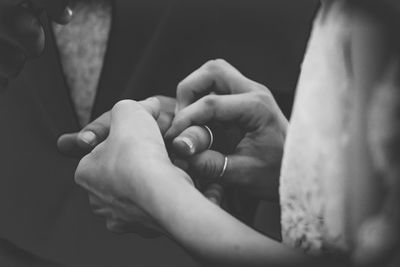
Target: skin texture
[
  {"x": 207, "y": 232},
  {"x": 117, "y": 173},
  {"x": 83, "y": 142},
  {"x": 254, "y": 165}
]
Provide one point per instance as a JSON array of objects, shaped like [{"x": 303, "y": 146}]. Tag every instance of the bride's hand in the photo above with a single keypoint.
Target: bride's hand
[
  {"x": 81, "y": 143},
  {"x": 123, "y": 171},
  {"x": 254, "y": 166}
]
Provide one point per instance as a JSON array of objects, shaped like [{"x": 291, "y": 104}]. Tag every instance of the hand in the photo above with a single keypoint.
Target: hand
[
  {"x": 83, "y": 142},
  {"x": 255, "y": 164},
  {"x": 80, "y": 143},
  {"x": 21, "y": 34},
  {"x": 122, "y": 170}
]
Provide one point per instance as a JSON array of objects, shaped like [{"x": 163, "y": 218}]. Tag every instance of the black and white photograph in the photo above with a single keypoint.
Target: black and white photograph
[{"x": 199, "y": 133}]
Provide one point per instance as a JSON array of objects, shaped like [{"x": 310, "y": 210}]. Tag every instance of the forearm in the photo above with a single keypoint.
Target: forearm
[{"x": 212, "y": 235}]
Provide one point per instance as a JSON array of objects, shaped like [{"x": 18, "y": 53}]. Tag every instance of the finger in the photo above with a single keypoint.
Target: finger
[
  {"x": 81, "y": 143},
  {"x": 214, "y": 76},
  {"x": 167, "y": 110},
  {"x": 97, "y": 131},
  {"x": 247, "y": 110},
  {"x": 68, "y": 145},
  {"x": 58, "y": 10},
  {"x": 181, "y": 164},
  {"x": 214, "y": 192},
  {"x": 191, "y": 141},
  {"x": 21, "y": 28},
  {"x": 209, "y": 165},
  {"x": 130, "y": 114},
  {"x": 164, "y": 121},
  {"x": 152, "y": 105},
  {"x": 167, "y": 104}
]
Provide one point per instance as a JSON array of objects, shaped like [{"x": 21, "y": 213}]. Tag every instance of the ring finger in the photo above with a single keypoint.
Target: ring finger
[{"x": 193, "y": 140}]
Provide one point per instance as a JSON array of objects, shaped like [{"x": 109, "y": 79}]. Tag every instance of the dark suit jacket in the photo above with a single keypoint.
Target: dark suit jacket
[{"x": 154, "y": 44}]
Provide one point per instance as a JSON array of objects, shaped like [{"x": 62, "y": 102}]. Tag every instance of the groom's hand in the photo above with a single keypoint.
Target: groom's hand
[
  {"x": 80, "y": 143},
  {"x": 21, "y": 33},
  {"x": 193, "y": 140}
]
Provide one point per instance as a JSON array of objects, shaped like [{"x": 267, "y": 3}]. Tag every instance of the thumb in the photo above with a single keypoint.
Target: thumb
[{"x": 80, "y": 143}]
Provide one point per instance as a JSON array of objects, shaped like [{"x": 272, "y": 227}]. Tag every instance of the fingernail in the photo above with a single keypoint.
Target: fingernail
[
  {"x": 88, "y": 137},
  {"x": 188, "y": 143}
]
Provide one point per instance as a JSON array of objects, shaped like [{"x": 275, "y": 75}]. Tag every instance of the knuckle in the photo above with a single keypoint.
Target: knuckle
[
  {"x": 210, "y": 101},
  {"x": 181, "y": 88},
  {"x": 261, "y": 100},
  {"x": 81, "y": 173},
  {"x": 126, "y": 103},
  {"x": 216, "y": 66},
  {"x": 180, "y": 121},
  {"x": 206, "y": 167},
  {"x": 260, "y": 88}
]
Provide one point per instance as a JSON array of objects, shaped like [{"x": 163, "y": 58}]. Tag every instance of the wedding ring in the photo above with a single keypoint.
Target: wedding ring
[
  {"x": 211, "y": 136},
  {"x": 224, "y": 167}
]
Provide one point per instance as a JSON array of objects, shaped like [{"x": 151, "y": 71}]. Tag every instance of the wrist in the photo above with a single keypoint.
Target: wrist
[{"x": 159, "y": 187}]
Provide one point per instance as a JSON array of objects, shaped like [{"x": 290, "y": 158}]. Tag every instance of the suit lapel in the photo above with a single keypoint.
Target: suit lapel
[
  {"x": 45, "y": 77},
  {"x": 132, "y": 27}
]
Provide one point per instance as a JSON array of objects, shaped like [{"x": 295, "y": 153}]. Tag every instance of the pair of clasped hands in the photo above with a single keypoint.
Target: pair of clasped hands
[
  {"x": 127, "y": 169},
  {"x": 125, "y": 161}
]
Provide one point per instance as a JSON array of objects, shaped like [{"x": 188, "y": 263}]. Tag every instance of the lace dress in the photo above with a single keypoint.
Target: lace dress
[{"x": 317, "y": 171}]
